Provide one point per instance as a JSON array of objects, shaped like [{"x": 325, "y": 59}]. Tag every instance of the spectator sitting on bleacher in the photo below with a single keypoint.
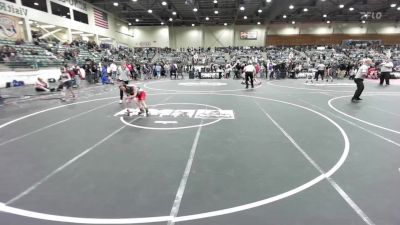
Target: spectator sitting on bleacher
[{"x": 19, "y": 42}]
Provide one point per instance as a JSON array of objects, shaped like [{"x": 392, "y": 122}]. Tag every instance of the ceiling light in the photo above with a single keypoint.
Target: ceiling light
[
  {"x": 291, "y": 7},
  {"x": 398, "y": 8},
  {"x": 324, "y": 15},
  {"x": 245, "y": 17},
  {"x": 241, "y": 8},
  {"x": 36, "y": 3},
  {"x": 284, "y": 16},
  {"x": 150, "y": 11},
  {"x": 130, "y": 24},
  {"x": 341, "y": 6},
  {"x": 174, "y": 13},
  {"x": 193, "y": 25},
  {"x": 170, "y": 19},
  {"x": 351, "y": 9},
  {"x": 305, "y": 10},
  {"x": 195, "y": 9},
  {"x": 216, "y": 12},
  {"x": 115, "y": 3},
  {"x": 134, "y": 0},
  {"x": 393, "y": 5},
  {"x": 137, "y": 20},
  {"x": 260, "y": 10},
  {"x": 162, "y": 23},
  {"x": 164, "y": 3},
  {"x": 363, "y": 21},
  {"x": 225, "y": 24},
  {"x": 268, "y": 1},
  {"x": 207, "y": 18},
  {"x": 293, "y": 22},
  {"x": 258, "y": 23},
  {"x": 215, "y": 1},
  {"x": 328, "y": 22}
]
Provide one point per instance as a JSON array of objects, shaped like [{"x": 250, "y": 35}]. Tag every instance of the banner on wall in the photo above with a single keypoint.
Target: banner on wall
[
  {"x": 360, "y": 43},
  {"x": 75, "y": 3},
  {"x": 145, "y": 44},
  {"x": 13, "y": 9},
  {"x": 9, "y": 28},
  {"x": 248, "y": 35}
]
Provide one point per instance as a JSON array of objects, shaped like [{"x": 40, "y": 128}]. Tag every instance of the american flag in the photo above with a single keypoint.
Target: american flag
[{"x": 100, "y": 18}]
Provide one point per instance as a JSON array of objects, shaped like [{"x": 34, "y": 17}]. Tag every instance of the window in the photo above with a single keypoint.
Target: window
[
  {"x": 60, "y": 10},
  {"x": 36, "y": 4},
  {"x": 81, "y": 17}
]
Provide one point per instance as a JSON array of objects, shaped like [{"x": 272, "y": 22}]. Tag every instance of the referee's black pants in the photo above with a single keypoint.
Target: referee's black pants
[
  {"x": 319, "y": 72},
  {"x": 385, "y": 76},
  {"x": 249, "y": 75},
  {"x": 360, "y": 88}
]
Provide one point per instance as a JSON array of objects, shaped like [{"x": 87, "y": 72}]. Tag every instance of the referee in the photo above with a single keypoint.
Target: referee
[
  {"x": 386, "y": 69},
  {"x": 358, "y": 79},
  {"x": 249, "y": 71},
  {"x": 123, "y": 78},
  {"x": 321, "y": 71}
]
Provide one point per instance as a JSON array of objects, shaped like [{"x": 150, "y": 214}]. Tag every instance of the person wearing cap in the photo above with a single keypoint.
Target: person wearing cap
[
  {"x": 386, "y": 69},
  {"x": 358, "y": 79}
]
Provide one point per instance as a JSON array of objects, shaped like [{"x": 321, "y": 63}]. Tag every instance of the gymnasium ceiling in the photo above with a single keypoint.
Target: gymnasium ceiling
[{"x": 257, "y": 11}]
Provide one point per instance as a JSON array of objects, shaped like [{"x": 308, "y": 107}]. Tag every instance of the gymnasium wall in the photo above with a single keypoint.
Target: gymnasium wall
[
  {"x": 150, "y": 37},
  {"x": 324, "y": 34},
  {"x": 214, "y": 36},
  {"x": 185, "y": 37},
  {"x": 200, "y": 36},
  {"x": 218, "y": 36}
]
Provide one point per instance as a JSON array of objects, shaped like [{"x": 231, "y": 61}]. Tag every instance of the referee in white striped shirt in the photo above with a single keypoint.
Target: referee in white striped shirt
[{"x": 359, "y": 79}]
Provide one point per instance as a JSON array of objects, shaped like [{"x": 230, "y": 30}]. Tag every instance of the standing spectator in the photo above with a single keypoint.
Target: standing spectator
[
  {"x": 130, "y": 68},
  {"x": 82, "y": 73},
  {"x": 113, "y": 69},
  {"x": 258, "y": 69}
]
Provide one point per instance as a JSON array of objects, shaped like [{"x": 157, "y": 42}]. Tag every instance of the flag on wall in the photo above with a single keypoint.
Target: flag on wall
[{"x": 100, "y": 18}]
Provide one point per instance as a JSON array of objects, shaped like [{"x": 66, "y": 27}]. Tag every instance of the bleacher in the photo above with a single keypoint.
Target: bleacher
[{"x": 29, "y": 56}]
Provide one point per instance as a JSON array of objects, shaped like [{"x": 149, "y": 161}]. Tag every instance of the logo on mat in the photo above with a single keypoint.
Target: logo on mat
[{"x": 184, "y": 113}]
